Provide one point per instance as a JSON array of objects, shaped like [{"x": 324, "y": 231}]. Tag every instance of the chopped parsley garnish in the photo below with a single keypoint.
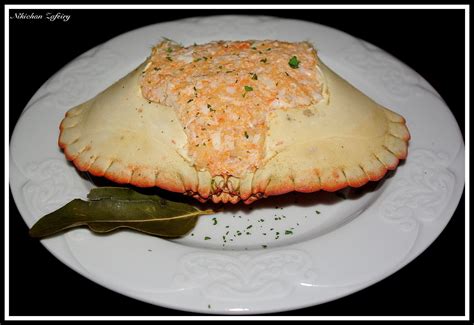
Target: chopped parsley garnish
[
  {"x": 253, "y": 48},
  {"x": 189, "y": 101},
  {"x": 254, "y": 76},
  {"x": 247, "y": 89},
  {"x": 263, "y": 60},
  {"x": 170, "y": 40},
  {"x": 169, "y": 50},
  {"x": 247, "y": 136},
  {"x": 207, "y": 238},
  {"x": 156, "y": 69},
  {"x": 197, "y": 60},
  {"x": 214, "y": 221},
  {"x": 264, "y": 246},
  {"x": 169, "y": 58},
  {"x": 294, "y": 63},
  {"x": 288, "y": 232},
  {"x": 317, "y": 212},
  {"x": 249, "y": 227}
]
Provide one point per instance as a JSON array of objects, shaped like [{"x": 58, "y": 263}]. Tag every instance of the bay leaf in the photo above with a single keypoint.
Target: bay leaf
[
  {"x": 112, "y": 208},
  {"x": 123, "y": 193}
]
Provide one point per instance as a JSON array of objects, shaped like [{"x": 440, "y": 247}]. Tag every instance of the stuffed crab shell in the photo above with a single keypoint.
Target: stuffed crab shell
[{"x": 234, "y": 120}]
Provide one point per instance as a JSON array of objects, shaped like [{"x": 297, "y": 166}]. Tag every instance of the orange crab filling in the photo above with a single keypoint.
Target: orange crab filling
[{"x": 223, "y": 93}]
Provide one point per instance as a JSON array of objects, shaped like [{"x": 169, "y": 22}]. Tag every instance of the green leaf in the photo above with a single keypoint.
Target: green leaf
[
  {"x": 294, "y": 63},
  {"x": 248, "y": 88},
  {"x": 111, "y": 208},
  {"x": 171, "y": 41}
]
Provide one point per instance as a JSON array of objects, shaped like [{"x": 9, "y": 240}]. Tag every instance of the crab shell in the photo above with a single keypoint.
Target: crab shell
[{"x": 344, "y": 140}]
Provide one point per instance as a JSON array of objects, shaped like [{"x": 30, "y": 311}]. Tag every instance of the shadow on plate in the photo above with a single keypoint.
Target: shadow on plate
[{"x": 278, "y": 202}]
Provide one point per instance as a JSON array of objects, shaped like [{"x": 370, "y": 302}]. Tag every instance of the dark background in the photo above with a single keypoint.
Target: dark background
[{"x": 429, "y": 41}]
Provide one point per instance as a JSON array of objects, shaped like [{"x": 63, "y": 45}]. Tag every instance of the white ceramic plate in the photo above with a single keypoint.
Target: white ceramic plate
[{"x": 293, "y": 251}]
